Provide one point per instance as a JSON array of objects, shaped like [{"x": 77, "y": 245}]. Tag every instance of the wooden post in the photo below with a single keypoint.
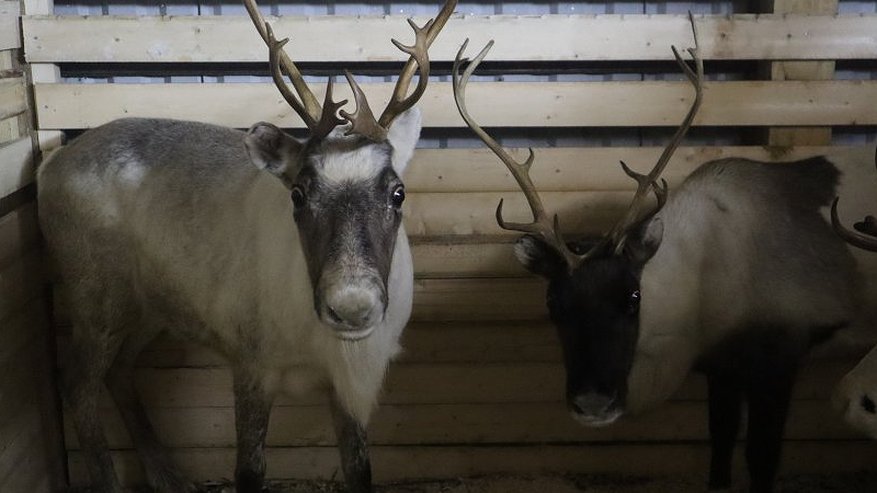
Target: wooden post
[
  {"x": 793, "y": 70},
  {"x": 42, "y": 73}
]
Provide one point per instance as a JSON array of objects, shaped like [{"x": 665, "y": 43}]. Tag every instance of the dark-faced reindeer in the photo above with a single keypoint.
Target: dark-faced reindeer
[
  {"x": 289, "y": 257},
  {"x": 856, "y": 394},
  {"x": 716, "y": 280}
]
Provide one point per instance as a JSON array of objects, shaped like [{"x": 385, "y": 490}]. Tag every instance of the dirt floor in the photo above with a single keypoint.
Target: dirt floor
[{"x": 864, "y": 482}]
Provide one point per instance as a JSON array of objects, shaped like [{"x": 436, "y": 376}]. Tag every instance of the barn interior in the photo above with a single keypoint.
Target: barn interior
[{"x": 475, "y": 402}]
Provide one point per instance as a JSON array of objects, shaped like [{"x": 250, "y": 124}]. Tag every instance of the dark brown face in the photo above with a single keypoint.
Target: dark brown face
[
  {"x": 595, "y": 309},
  {"x": 348, "y": 208}
]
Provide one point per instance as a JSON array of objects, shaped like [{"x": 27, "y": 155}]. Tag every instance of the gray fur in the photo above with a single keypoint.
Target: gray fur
[{"x": 161, "y": 225}]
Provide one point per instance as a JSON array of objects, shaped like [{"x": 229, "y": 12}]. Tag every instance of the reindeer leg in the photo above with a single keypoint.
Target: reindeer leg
[
  {"x": 161, "y": 474},
  {"x": 769, "y": 393},
  {"x": 353, "y": 448},
  {"x": 252, "y": 406},
  {"x": 725, "y": 401},
  {"x": 81, "y": 385}
]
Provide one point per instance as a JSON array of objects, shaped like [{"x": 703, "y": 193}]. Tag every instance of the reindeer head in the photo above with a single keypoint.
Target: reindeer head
[
  {"x": 593, "y": 297},
  {"x": 344, "y": 180}
]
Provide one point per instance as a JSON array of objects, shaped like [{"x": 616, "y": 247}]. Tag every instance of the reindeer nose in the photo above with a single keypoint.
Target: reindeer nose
[
  {"x": 592, "y": 404},
  {"x": 351, "y": 309}
]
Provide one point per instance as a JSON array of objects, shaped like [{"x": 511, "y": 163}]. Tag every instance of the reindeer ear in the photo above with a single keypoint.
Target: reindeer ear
[
  {"x": 403, "y": 135},
  {"x": 273, "y": 150},
  {"x": 643, "y": 241},
  {"x": 540, "y": 258}
]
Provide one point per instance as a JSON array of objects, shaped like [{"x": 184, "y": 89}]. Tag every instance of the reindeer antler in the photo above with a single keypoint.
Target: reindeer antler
[
  {"x": 322, "y": 119},
  {"x": 362, "y": 120},
  {"x": 865, "y": 234},
  {"x": 649, "y": 182},
  {"x": 547, "y": 229}
]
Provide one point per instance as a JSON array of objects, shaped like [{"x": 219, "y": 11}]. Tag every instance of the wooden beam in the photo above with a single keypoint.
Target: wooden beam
[
  {"x": 548, "y": 104},
  {"x": 16, "y": 165},
  {"x": 13, "y": 98},
  {"x": 365, "y": 38},
  {"x": 798, "y": 70},
  {"x": 10, "y": 32}
]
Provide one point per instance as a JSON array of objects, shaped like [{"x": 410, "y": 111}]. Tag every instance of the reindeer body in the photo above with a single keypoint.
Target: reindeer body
[
  {"x": 167, "y": 226},
  {"x": 744, "y": 249}
]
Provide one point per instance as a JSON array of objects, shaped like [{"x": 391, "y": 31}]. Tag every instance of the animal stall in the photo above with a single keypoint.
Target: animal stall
[
  {"x": 31, "y": 449},
  {"x": 479, "y": 387}
]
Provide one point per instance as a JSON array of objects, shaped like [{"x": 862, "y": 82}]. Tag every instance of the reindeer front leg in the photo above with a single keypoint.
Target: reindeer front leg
[
  {"x": 252, "y": 406},
  {"x": 353, "y": 447}
]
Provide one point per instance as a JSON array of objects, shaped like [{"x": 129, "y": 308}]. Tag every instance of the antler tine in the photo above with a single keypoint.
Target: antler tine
[
  {"x": 328, "y": 119},
  {"x": 275, "y": 49},
  {"x": 855, "y": 238},
  {"x": 319, "y": 119},
  {"x": 362, "y": 121},
  {"x": 418, "y": 60},
  {"x": 648, "y": 182},
  {"x": 547, "y": 229}
]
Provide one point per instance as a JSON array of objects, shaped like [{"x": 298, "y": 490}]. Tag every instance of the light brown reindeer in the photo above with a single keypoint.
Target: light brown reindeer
[
  {"x": 288, "y": 257},
  {"x": 711, "y": 279}
]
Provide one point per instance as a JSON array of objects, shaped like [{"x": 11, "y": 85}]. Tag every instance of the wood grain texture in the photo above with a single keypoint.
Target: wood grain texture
[
  {"x": 16, "y": 165},
  {"x": 548, "y": 104},
  {"x": 10, "y": 33},
  {"x": 13, "y": 99},
  {"x": 561, "y": 37}
]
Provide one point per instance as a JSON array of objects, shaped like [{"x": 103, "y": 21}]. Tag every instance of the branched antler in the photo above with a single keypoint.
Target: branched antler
[
  {"x": 543, "y": 226},
  {"x": 322, "y": 119},
  {"x": 647, "y": 183},
  {"x": 548, "y": 230}
]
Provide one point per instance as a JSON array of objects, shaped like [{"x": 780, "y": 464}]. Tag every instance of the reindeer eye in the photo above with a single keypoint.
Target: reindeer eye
[
  {"x": 398, "y": 196},
  {"x": 633, "y": 301},
  {"x": 298, "y": 197}
]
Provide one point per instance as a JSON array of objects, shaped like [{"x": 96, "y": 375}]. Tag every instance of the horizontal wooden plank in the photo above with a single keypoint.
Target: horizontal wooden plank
[
  {"x": 468, "y": 214},
  {"x": 577, "y": 169},
  {"x": 476, "y": 383},
  {"x": 567, "y": 169},
  {"x": 10, "y": 33},
  {"x": 13, "y": 99},
  {"x": 561, "y": 37},
  {"x": 390, "y": 463},
  {"x": 19, "y": 233},
  {"x": 546, "y": 104},
  {"x": 16, "y": 165},
  {"x": 449, "y": 424}
]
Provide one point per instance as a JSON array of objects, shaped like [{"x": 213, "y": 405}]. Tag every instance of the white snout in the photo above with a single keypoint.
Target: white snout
[
  {"x": 353, "y": 309},
  {"x": 593, "y": 409}
]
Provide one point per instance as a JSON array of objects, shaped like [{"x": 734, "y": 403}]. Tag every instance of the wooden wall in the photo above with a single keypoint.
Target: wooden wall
[
  {"x": 479, "y": 388},
  {"x": 31, "y": 447}
]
